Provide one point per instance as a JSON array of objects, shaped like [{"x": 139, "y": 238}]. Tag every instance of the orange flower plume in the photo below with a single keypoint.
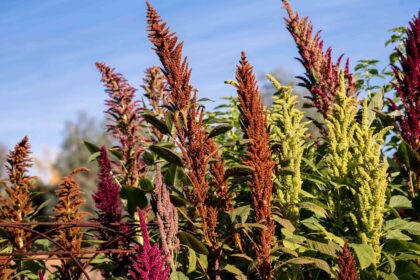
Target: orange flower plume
[{"x": 254, "y": 125}]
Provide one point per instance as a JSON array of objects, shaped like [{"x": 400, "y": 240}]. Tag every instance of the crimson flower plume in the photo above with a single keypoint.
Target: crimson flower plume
[
  {"x": 322, "y": 74},
  {"x": 106, "y": 199},
  {"x": 347, "y": 269},
  {"x": 148, "y": 262},
  {"x": 125, "y": 123},
  {"x": 407, "y": 85}
]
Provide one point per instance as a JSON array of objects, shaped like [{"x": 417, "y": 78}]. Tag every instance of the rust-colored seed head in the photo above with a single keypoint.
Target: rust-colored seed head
[
  {"x": 155, "y": 87},
  {"x": 18, "y": 162},
  {"x": 18, "y": 205},
  {"x": 217, "y": 170},
  {"x": 347, "y": 269},
  {"x": 191, "y": 135},
  {"x": 254, "y": 125},
  {"x": 156, "y": 91},
  {"x": 169, "y": 51},
  {"x": 68, "y": 208}
]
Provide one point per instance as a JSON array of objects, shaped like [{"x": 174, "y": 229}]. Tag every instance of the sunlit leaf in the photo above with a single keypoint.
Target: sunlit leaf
[
  {"x": 92, "y": 148},
  {"x": 400, "y": 202},
  {"x": 220, "y": 129},
  {"x": 239, "y": 170},
  {"x": 167, "y": 154},
  {"x": 364, "y": 254},
  {"x": 135, "y": 197},
  {"x": 157, "y": 123},
  {"x": 191, "y": 241}
]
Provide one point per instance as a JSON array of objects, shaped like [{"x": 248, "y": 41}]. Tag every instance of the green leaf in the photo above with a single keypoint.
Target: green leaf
[
  {"x": 412, "y": 228},
  {"x": 330, "y": 248},
  {"x": 102, "y": 262},
  {"x": 157, "y": 123},
  {"x": 40, "y": 207},
  {"x": 397, "y": 223},
  {"x": 220, "y": 129},
  {"x": 376, "y": 102},
  {"x": 117, "y": 152},
  {"x": 400, "y": 202},
  {"x": 321, "y": 264},
  {"x": 92, "y": 148},
  {"x": 373, "y": 72},
  {"x": 317, "y": 210},
  {"x": 313, "y": 224},
  {"x": 386, "y": 276},
  {"x": 42, "y": 244},
  {"x": 204, "y": 99},
  {"x": 169, "y": 120},
  {"x": 300, "y": 261},
  {"x": 148, "y": 158},
  {"x": 391, "y": 261},
  {"x": 26, "y": 273},
  {"x": 284, "y": 223},
  {"x": 408, "y": 156},
  {"x": 364, "y": 254},
  {"x": 397, "y": 234},
  {"x": 202, "y": 259},
  {"x": 287, "y": 250},
  {"x": 6, "y": 250},
  {"x": 242, "y": 257},
  {"x": 388, "y": 119},
  {"x": 178, "y": 275},
  {"x": 407, "y": 257},
  {"x": 93, "y": 156},
  {"x": 170, "y": 175},
  {"x": 178, "y": 201},
  {"x": 135, "y": 197},
  {"x": 192, "y": 261},
  {"x": 240, "y": 170},
  {"x": 234, "y": 270},
  {"x": 168, "y": 145},
  {"x": 242, "y": 212},
  {"x": 191, "y": 241},
  {"x": 407, "y": 271},
  {"x": 34, "y": 265},
  {"x": 306, "y": 194},
  {"x": 167, "y": 154},
  {"x": 146, "y": 185}
]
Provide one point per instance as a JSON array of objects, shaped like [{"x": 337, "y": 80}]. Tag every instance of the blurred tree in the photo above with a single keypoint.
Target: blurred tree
[
  {"x": 3, "y": 154},
  {"x": 285, "y": 78},
  {"x": 74, "y": 153}
]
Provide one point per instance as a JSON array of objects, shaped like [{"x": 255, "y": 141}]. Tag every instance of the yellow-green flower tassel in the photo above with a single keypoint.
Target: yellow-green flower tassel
[
  {"x": 288, "y": 135},
  {"x": 369, "y": 174}
]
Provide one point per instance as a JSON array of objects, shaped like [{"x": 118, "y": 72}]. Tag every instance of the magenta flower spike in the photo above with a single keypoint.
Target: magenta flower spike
[{"x": 148, "y": 262}]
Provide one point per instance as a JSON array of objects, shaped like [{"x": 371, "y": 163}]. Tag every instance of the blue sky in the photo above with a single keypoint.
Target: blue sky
[{"x": 48, "y": 49}]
